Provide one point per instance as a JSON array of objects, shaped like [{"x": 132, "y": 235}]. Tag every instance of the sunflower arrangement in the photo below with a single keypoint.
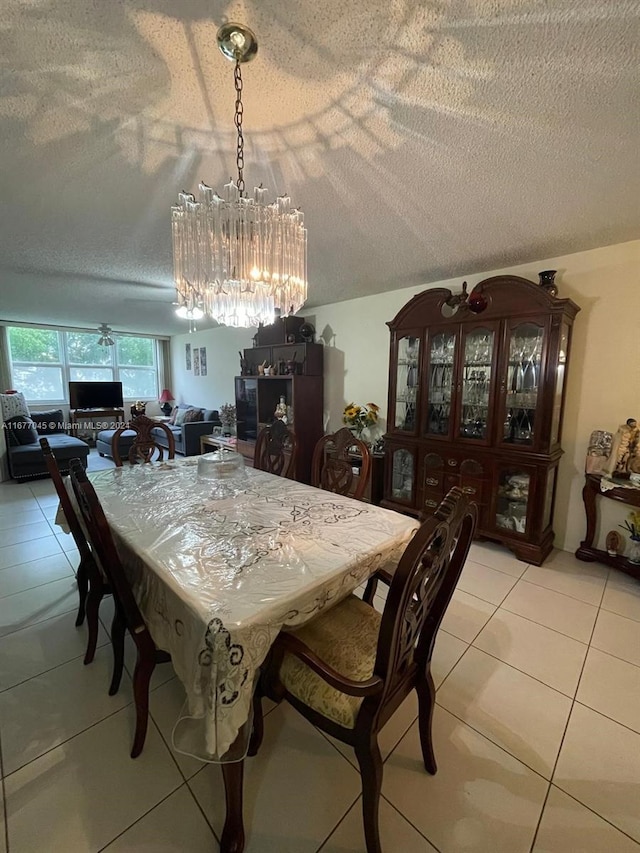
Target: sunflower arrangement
[
  {"x": 359, "y": 417},
  {"x": 632, "y": 524}
]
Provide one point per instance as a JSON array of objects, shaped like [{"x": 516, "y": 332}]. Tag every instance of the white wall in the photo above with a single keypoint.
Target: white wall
[
  {"x": 223, "y": 363},
  {"x": 603, "y": 387}
]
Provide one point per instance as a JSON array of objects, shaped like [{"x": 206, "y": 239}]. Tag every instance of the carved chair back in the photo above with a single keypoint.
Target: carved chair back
[
  {"x": 65, "y": 501},
  {"x": 144, "y": 448},
  {"x": 333, "y": 462},
  {"x": 276, "y": 450},
  {"x": 420, "y": 591},
  {"x": 102, "y": 542}
]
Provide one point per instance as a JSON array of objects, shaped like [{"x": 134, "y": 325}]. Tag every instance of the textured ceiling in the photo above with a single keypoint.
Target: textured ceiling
[{"x": 423, "y": 140}]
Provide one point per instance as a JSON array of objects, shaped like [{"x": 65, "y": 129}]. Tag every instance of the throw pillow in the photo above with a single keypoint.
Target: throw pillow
[
  {"x": 192, "y": 415},
  {"x": 50, "y": 422},
  {"x": 13, "y": 404},
  {"x": 180, "y": 417},
  {"x": 21, "y": 430},
  {"x": 174, "y": 415}
]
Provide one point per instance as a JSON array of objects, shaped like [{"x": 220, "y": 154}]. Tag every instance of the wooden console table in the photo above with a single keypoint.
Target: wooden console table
[
  {"x": 108, "y": 416},
  {"x": 586, "y": 551}
]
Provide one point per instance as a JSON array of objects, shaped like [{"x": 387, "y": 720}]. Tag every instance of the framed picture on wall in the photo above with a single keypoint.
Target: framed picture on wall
[
  {"x": 203, "y": 361},
  {"x": 187, "y": 355},
  {"x": 196, "y": 361}
]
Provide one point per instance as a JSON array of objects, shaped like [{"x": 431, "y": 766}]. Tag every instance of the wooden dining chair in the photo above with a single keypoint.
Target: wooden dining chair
[
  {"x": 276, "y": 450},
  {"x": 144, "y": 448},
  {"x": 333, "y": 462},
  {"x": 349, "y": 669},
  {"x": 91, "y": 586},
  {"x": 127, "y": 616}
]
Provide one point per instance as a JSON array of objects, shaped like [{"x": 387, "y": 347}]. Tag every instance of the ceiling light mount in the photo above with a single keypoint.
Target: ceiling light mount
[{"x": 238, "y": 259}]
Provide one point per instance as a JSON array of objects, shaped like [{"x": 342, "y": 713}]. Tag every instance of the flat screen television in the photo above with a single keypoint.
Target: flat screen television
[{"x": 95, "y": 395}]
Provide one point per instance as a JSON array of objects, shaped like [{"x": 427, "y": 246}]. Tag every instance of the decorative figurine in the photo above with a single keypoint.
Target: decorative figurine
[
  {"x": 624, "y": 458},
  {"x": 547, "y": 281},
  {"x": 614, "y": 543}
]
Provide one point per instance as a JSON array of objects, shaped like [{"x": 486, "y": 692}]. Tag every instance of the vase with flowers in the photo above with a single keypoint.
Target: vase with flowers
[
  {"x": 358, "y": 417},
  {"x": 228, "y": 418},
  {"x": 632, "y": 525}
]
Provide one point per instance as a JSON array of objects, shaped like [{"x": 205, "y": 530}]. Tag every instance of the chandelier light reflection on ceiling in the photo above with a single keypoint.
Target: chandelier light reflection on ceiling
[
  {"x": 239, "y": 260},
  {"x": 105, "y": 339}
]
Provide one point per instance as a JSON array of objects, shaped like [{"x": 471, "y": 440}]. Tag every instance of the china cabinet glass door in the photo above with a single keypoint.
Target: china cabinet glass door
[
  {"x": 476, "y": 382},
  {"x": 512, "y": 499},
  {"x": 407, "y": 383},
  {"x": 403, "y": 468},
  {"x": 442, "y": 347},
  {"x": 563, "y": 349},
  {"x": 522, "y": 382}
]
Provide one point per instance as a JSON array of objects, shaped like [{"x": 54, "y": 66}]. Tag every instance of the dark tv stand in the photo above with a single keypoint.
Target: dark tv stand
[{"x": 98, "y": 418}]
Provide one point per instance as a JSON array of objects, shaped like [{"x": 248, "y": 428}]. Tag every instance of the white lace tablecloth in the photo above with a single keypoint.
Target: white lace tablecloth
[{"x": 216, "y": 578}]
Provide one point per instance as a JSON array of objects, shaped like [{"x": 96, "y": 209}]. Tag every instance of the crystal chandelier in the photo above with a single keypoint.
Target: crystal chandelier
[{"x": 238, "y": 260}]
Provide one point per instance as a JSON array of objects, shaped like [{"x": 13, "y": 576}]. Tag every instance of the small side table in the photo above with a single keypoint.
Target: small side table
[
  {"x": 586, "y": 551},
  {"x": 217, "y": 442}
]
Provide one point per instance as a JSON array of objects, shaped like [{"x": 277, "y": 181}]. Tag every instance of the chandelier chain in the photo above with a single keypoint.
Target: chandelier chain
[{"x": 237, "y": 76}]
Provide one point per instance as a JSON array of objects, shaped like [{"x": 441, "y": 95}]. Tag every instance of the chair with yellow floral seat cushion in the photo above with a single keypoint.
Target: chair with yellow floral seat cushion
[
  {"x": 349, "y": 669},
  {"x": 333, "y": 463}
]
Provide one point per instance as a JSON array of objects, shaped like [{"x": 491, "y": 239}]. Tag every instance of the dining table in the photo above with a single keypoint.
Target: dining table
[{"x": 219, "y": 567}]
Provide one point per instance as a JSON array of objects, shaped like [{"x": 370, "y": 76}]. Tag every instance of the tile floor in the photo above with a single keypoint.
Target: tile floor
[{"x": 537, "y": 727}]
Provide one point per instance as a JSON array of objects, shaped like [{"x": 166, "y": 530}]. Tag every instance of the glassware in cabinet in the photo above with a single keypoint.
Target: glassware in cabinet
[
  {"x": 442, "y": 346},
  {"x": 403, "y": 465},
  {"x": 512, "y": 499},
  {"x": 522, "y": 381},
  {"x": 476, "y": 382},
  {"x": 407, "y": 383}
]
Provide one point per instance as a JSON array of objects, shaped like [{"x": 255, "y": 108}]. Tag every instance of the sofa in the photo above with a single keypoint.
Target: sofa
[
  {"x": 186, "y": 434},
  {"x": 24, "y": 454}
]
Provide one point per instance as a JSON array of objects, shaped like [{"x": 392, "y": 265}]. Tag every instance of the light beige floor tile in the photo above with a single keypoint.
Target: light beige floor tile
[
  {"x": 87, "y": 791},
  {"x": 38, "y": 488},
  {"x": 42, "y": 713},
  {"x": 10, "y": 505},
  {"x": 66, "y": 541},
  {"x": 485, "y": 583},
  {"x": 42, "y": 647},
  {"x": 447, "y": 652},
  {"x": 25, "y": 533},
  {"x": 296, "y": 789},
  {"x": 516, "y": 712},
  {"x": 19, "y": 519},
  {"x": 395, "y": 833},
  {"x": 583, "y": 581},
  {"x": 552, "y": 609},
  {"x": 544, "y": 654},
  {"x": 599, "y": 765},
  {"x": 32, "y": 606},
  {"x": 24, "y": 552},
  {"x": 3, "y": 831},
  {"x": 481, "y": 798},
  {"x": 611, "y": 686},
  {"x": 622, "y": 596},
  {"x": 568, "y": 827},
  {"x": 50, "y": 499},
  {"x": 618, "y": 636},
  {"x": 29, "y": 575},
  {"x": 175, "y": 826},
  {"x": 50, "y": 513},
  {"x": 466, "y": 616},
  {"x": 165, "y": 705},
  {"x": 497, "y": 557},
  {"x": 73, "y": 556}
]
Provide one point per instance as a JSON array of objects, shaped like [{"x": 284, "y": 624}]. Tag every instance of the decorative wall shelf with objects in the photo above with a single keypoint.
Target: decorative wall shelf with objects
[
  {"x": 283, "y": 371},
  {"x": 476, "y": 397}
]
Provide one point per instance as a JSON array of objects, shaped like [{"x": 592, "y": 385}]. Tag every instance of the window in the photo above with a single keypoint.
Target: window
[{"x": 44, "y": 360}]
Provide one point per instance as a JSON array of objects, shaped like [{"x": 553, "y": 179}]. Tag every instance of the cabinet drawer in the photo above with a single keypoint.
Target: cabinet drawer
[
  {"x": 474, "y": 489},
  {"x": 451, "y": 480},
  {"x": 431, "y": 502}
]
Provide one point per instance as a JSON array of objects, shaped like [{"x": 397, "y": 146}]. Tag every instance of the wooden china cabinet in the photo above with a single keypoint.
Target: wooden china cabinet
[
  {"x": 297, "y": 383},
  {"x": 476, "y": 398}
]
